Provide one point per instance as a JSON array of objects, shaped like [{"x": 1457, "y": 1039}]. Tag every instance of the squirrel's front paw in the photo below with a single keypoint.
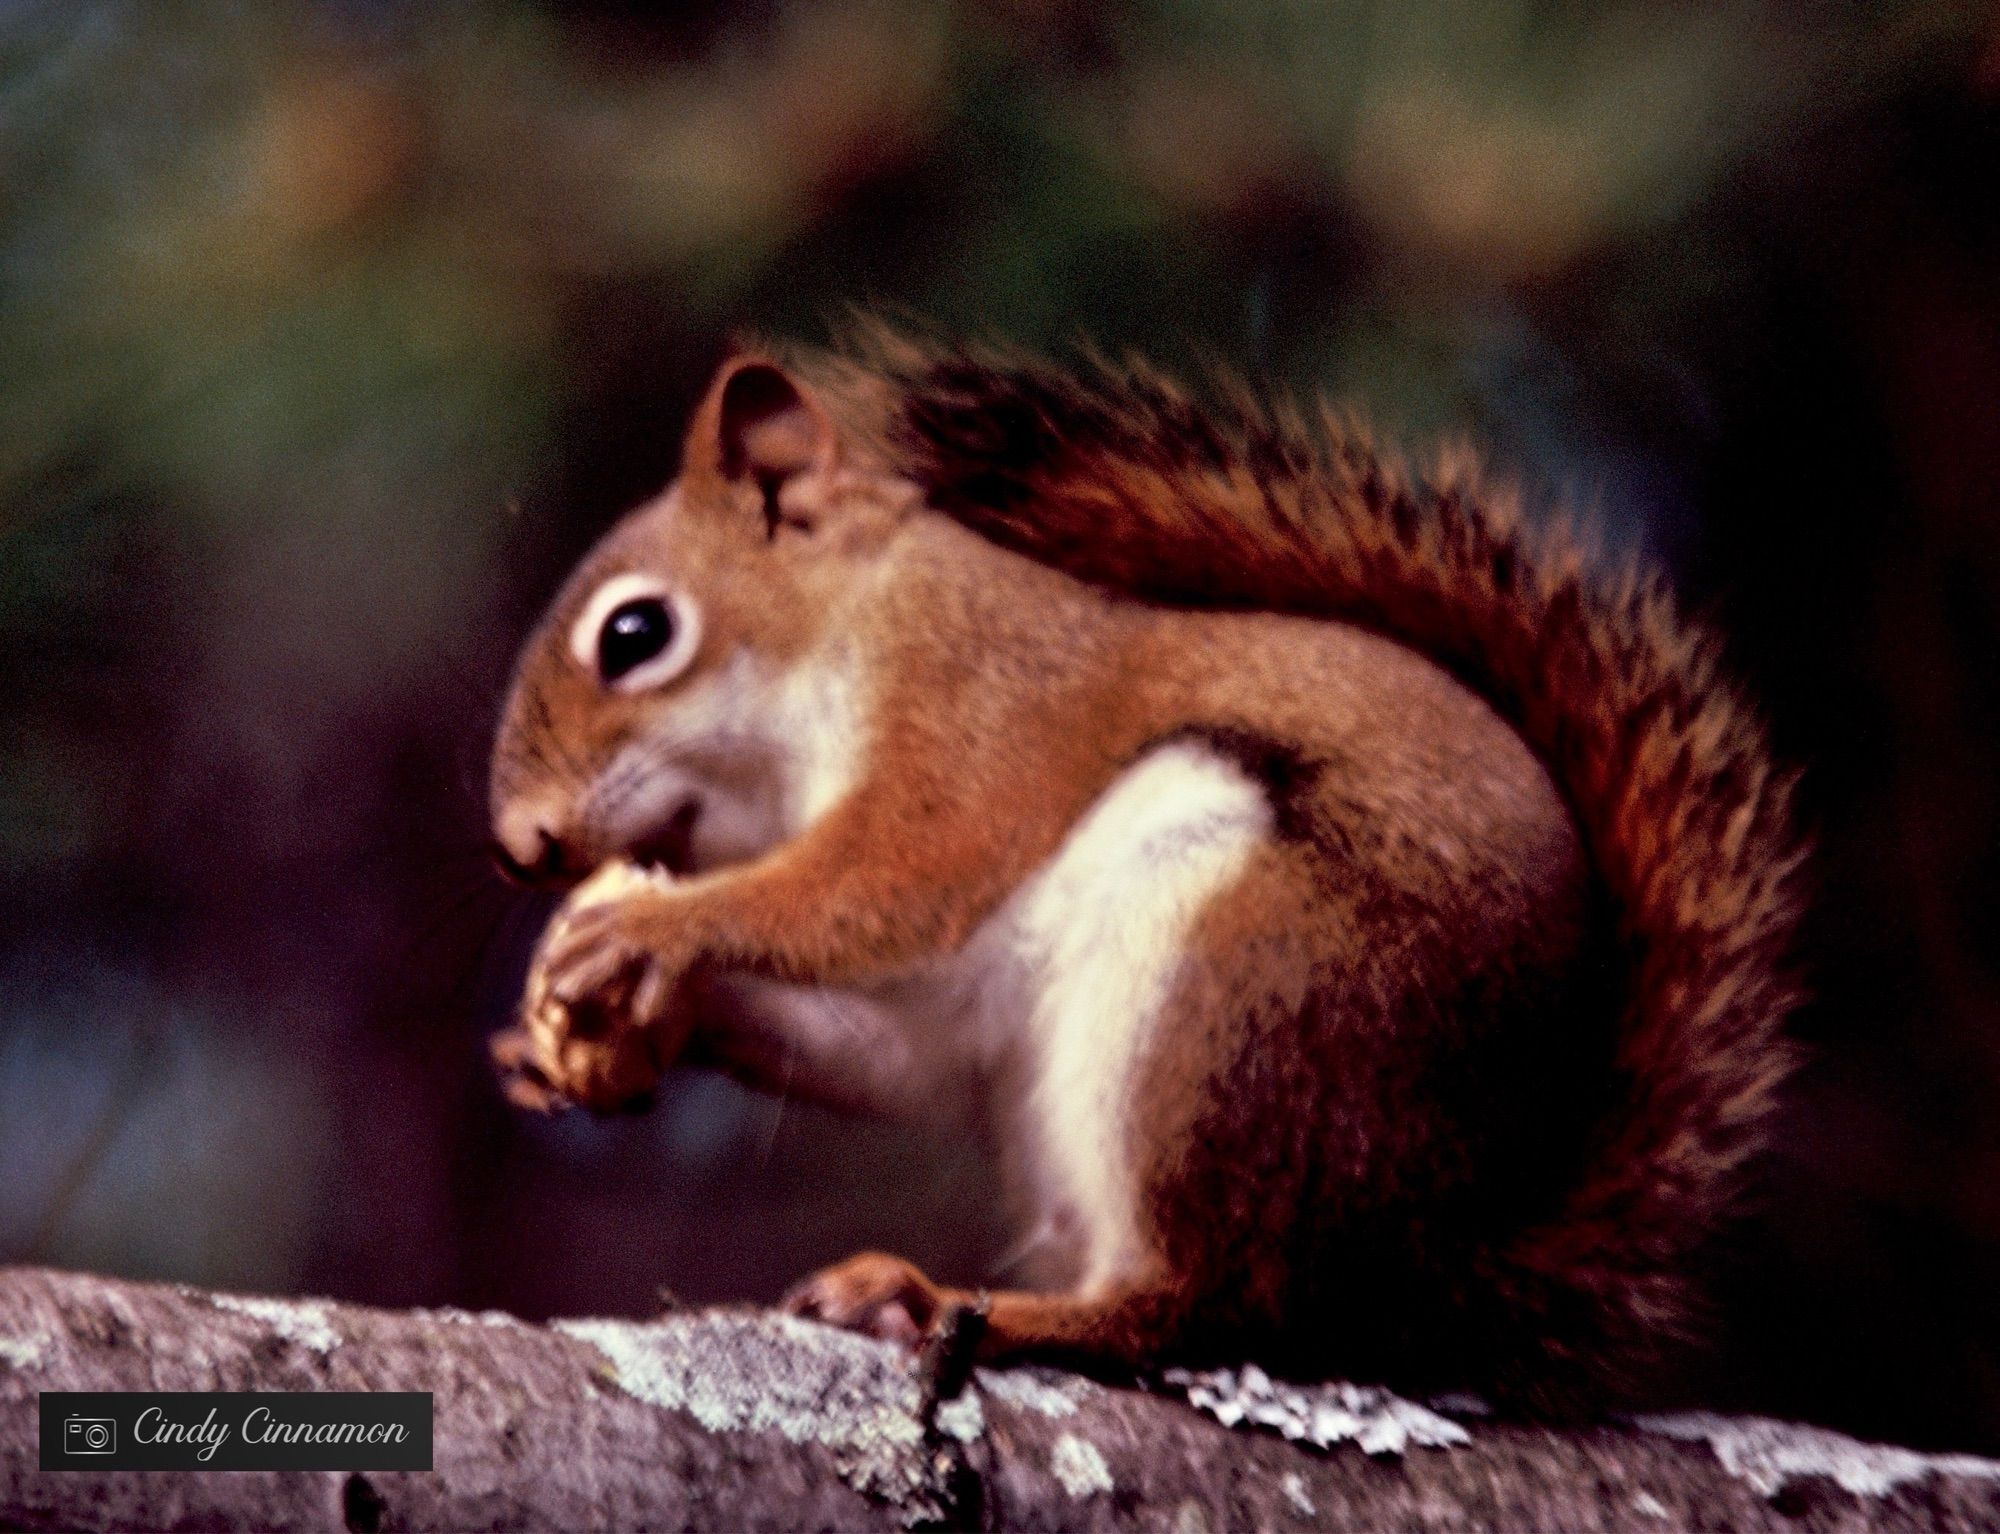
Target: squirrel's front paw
[
  {"x": 603, "y": 1016},
  {"x": 616, "y": 958}
]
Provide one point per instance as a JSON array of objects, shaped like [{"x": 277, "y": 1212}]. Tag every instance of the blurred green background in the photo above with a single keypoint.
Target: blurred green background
[{"x": 331, "y": 332}]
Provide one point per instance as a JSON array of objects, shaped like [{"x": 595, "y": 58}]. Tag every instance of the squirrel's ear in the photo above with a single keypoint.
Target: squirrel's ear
[{"x": 759, "y": 424}]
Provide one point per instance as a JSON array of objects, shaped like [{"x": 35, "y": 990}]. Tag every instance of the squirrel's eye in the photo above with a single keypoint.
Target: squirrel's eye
[
  {"x": 636, "y": 632},
  {"x": 633, "y": 634}
]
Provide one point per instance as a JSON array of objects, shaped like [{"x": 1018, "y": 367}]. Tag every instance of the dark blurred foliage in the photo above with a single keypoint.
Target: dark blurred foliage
[{"x": 330, "y": 333}]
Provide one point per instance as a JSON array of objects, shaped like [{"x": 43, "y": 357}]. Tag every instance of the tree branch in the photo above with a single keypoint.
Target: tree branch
[{"x": 740, "y": 1419}]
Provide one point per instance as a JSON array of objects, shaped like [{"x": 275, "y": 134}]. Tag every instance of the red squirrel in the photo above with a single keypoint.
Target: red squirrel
[{"x": 1360, "y": 929}]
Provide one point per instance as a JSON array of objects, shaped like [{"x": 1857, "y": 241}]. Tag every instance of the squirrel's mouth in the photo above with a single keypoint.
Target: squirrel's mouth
[{"x": 671, "y": 847}]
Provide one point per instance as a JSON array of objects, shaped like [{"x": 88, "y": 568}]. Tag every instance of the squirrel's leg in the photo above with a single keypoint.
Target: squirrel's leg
[
  {"x": 904, "y": 867},
  {"x": 1166, "y": 921}
]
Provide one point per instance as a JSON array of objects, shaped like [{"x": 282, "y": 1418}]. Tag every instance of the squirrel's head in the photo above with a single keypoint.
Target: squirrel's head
[{"x": 690, "y": 697}]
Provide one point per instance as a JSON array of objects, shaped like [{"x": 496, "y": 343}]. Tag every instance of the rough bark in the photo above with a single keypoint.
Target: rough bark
[{"x": 738, "y": 1419}]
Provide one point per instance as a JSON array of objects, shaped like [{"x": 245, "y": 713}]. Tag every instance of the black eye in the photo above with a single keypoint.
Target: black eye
[{"x": 635, "y": 632}]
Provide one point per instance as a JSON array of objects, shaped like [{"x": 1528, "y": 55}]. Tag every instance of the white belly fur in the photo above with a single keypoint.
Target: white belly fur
[
  {"x": 1100, "y": 934},
  {"x": 1047, "y": 1010}
]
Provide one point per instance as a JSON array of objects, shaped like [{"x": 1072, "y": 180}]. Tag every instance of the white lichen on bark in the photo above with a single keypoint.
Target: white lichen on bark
[
  {"x": 1374, "y": 1419},
  {"x": 23, "y": 1352},
  {"x": 736, "y": 1372},
  {"x": 1768, "y": 1455},
  {"x": 309, "y": 1323},
  {"x": 1296, "y": 1492},
  {"x": 1079, "y": 1467},
  {"x": 1035, "y": 1389}
]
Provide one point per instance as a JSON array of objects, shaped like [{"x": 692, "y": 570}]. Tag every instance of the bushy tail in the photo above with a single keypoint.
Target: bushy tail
[{"x": 1121, "y": 479}]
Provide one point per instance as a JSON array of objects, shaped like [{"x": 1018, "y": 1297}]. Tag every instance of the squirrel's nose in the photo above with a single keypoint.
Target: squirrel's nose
[{"x": 531, "y": 855}]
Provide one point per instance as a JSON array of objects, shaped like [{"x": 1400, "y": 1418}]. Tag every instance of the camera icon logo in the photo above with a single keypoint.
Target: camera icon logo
[{"x": 90, "y": 1435}]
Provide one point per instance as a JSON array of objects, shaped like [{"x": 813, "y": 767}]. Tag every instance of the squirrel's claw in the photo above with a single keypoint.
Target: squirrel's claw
[
  {"x": 581, "y": 970},
  {"x": 522, "y": 1080}
]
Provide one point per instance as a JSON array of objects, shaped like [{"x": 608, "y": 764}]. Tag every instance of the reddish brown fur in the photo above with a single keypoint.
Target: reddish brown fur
[
  {"x": 1385, "y": 1126},
  {"x": 1118, "y": 477}
]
